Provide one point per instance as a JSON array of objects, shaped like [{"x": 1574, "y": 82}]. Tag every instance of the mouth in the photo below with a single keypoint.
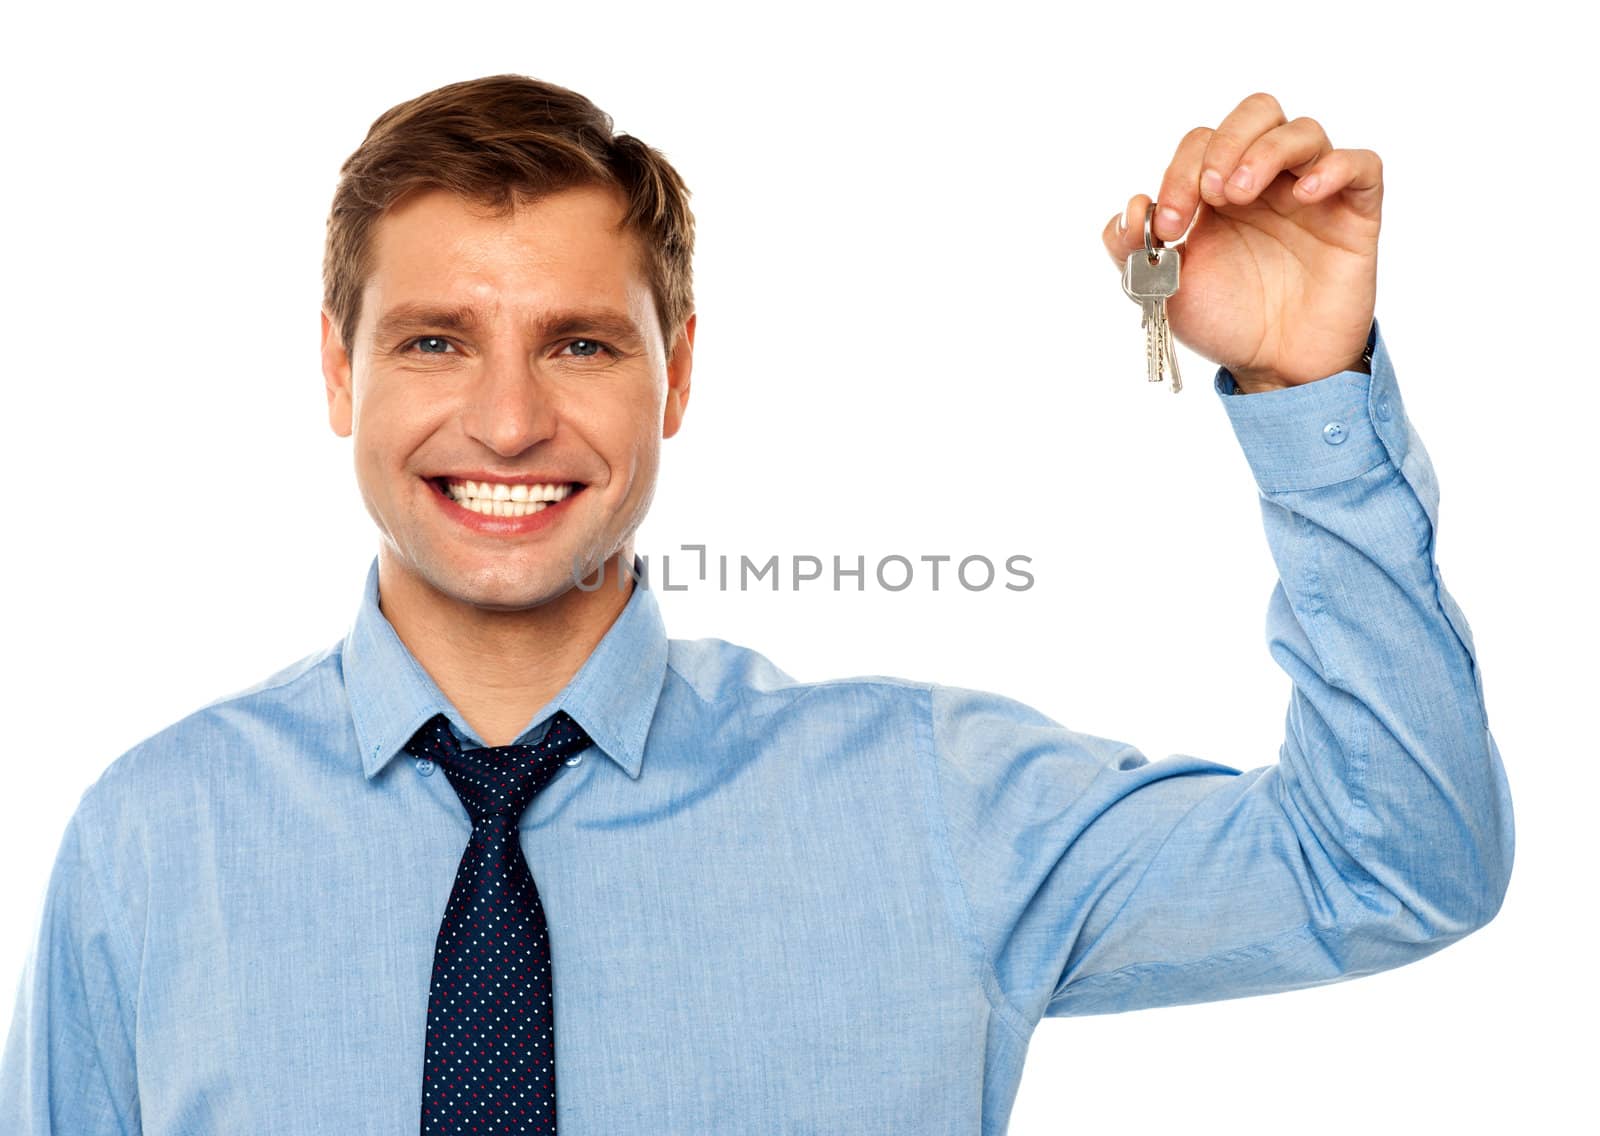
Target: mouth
[{"x": 505, "y": 498}]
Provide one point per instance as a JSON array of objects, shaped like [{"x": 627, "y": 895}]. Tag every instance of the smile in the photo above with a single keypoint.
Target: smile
[
  {"x": 504, "y": 508},
  {"x": 500, "y": 499}
]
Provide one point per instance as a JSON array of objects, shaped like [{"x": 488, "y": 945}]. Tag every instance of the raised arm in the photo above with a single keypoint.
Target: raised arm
[
  {"x": 1099, "y": 881},
  {"x": 1094, "y": 880}
]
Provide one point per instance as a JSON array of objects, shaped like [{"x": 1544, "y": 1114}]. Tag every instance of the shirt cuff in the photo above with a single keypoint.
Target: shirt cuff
[{"x": 1322, "y": 432}]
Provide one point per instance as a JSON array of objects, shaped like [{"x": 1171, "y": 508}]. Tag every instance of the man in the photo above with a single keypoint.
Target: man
[{"x": 505, "y": 858}]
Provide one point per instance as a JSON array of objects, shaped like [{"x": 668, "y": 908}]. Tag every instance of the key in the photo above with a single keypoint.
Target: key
[
  {"x": 1147, "y": 321},
  {"x": 1170, "y": 352},
  {"x": 1149, "y": 277}
]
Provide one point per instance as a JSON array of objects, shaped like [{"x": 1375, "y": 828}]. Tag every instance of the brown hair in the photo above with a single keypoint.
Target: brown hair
[{"x": 498, "y": 141}]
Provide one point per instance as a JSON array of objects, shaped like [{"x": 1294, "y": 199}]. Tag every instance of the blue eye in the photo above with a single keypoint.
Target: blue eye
[{"x": 439, "y": 345}]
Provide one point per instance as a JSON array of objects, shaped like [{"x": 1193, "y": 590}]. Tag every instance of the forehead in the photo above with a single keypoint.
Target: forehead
[{"x": 557, "y": 251}]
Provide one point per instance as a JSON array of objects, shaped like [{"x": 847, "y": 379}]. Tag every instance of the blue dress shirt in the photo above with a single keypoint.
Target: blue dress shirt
[{"x": 776, "y": 906}]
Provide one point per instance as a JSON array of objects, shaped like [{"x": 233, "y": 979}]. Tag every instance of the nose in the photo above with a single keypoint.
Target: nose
[{"x": 510, "y": 406}]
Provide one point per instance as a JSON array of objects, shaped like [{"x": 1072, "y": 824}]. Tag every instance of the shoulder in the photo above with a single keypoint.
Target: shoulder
[
  {"x": 202, "y": 744},
  {"x": 164, "y": 806},
  {"x": 717, "y": 671},
  {"x": 726, "y": 676}
]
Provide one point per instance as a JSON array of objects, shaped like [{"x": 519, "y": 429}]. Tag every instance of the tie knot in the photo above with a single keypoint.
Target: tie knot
[{"x": 498, "y": 781}]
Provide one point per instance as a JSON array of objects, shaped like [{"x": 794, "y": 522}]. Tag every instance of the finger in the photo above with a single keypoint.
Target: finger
[
  {"x": 1180, "y": 186},
  {"x": 1111, "y": 236},
  {"x": 1294, "y": 146},
  {"x": 1356, "y": 173},
  {"x": 1248, "y": 121},
  {"x": 1125, "y": 231}
]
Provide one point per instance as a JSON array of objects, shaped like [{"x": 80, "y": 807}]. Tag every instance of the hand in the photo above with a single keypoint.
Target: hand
[{"x": 1279, "y": 278}]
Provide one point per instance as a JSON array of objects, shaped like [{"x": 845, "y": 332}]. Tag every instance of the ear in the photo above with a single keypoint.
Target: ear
[
  {"x": 678, "y": 368},
  {"x": 336, "y": 373}
]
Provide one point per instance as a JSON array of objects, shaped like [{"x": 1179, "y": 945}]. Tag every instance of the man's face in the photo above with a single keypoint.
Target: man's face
[{"x": 517, "y": 350}]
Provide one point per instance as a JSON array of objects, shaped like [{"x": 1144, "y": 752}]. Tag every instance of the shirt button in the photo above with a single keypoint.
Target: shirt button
[
  {"x": 1383, "y": 410},
  {"x": 1333, "y": 433},
  {"x": 425, "y": 767},
  {"x": 574, "y": 759}
]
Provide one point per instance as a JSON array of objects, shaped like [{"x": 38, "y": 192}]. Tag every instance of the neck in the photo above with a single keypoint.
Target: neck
[{"x": 499, "y": 667}]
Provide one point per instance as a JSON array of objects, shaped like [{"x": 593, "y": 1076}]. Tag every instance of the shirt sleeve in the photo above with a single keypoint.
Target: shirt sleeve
[
  {"x": 68, "y": 1067},
  {"x": 1096, "y": 880}
]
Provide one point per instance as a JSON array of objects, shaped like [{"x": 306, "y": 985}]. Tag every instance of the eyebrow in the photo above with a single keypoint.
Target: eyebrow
[{"x": 404, "y": 318}]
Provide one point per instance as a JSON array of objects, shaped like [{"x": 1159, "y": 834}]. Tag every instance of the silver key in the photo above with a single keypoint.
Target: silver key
[
  {"x": 1149, "y": 280},
  {"x": 1148, "y": 320},
  {"x": 1169, "y": 353},
  {"x": 1147, "y": 305},
  {"x": 1149, "y": 284},
  {"x": 1149, "y": 277}
]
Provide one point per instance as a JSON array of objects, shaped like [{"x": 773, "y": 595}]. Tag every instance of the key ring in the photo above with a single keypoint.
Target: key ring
[{"x": 1149, "y": 234}]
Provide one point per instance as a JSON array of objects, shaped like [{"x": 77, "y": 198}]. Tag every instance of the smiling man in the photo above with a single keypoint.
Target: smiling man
[
  {"x": 508, "y": 388},
  {"x": 506, "y": 858}
]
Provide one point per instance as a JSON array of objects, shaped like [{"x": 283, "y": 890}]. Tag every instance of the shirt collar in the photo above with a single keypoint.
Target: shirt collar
[{"x": 613, "y": 696}]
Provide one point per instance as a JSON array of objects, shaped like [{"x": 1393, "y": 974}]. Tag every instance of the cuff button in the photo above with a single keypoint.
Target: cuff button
[{"x": 1333, "y": 433}]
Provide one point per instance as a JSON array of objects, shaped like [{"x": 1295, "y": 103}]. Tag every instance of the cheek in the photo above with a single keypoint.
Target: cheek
[
  {"x": 640, "y": 451},
  {"x": 388, "y": 429},
  {"x": 626, "y": 432}
]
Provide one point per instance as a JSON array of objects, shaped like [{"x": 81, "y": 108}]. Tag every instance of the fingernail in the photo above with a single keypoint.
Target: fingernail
[
  {"x": 1170, "y": 219},
  {"x": 1309, "y": 185},
  {"x": 1122, "y": 223},
  {"x": 1240, "y": 178},
  {"x": 1211, "y": 182}
]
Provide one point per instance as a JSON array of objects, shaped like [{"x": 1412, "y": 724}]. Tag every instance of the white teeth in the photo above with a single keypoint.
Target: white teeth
[
  {"x": 468, "y": 492},
  {"x": 491, "y": 508}
]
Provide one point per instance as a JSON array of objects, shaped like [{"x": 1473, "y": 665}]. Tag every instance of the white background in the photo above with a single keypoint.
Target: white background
[{"x": 910, "y": 341}]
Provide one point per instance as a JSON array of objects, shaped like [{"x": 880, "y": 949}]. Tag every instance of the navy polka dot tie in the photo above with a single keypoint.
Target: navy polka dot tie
[{"x": 490, "y": 1060}]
